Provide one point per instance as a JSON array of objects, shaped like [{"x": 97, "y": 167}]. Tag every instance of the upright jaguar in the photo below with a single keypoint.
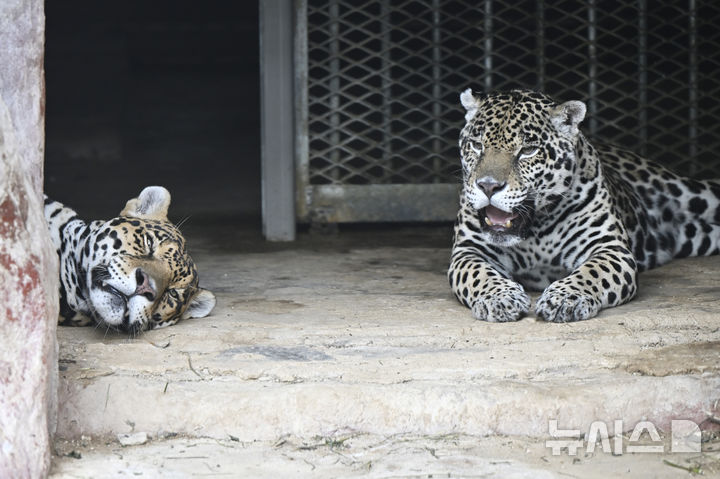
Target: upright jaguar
[
  {"x": 543, "y": 209},
  {"x": 130, "y": 273}
]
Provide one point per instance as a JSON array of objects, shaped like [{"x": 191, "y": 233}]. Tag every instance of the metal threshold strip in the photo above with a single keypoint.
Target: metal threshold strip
[{"x": 383, "y": 203}]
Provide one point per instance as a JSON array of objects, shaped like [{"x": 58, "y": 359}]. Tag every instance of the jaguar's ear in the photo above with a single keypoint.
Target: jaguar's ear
[
  {"x": 470, "y": 103},
  {"x": 152, "y": 203},
  {"x": 567, "y": 117},
  {"x": 201, "y": 305}
]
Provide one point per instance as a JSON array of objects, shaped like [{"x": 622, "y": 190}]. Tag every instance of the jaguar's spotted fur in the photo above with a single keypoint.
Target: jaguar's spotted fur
[
  {"x": 129, "y": 273},
  {"x": 543, "y": 209}
]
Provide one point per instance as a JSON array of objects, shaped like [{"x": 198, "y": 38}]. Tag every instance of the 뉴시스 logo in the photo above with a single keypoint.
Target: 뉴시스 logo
[{"x": 685, "y": 437}]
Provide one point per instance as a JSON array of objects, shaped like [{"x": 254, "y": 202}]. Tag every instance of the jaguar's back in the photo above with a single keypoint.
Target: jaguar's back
[{"x": 667, "y": 216}]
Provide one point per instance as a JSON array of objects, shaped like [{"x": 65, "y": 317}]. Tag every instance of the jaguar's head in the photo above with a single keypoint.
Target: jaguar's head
[
  {"x": 136, "y": 270},
  {"x": 518, "y": 158}
]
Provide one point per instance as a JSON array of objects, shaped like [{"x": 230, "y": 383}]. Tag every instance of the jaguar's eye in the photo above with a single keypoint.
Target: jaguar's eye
[
  {"x": 150, "y": 244},
  {"x": 528, "y": 151},
  {"x": 475, "y": 149},
  {"x": 173, "y": 293}
]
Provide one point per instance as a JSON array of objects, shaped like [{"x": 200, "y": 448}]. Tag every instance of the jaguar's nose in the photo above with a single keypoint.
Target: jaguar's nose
[
  {"x": 489, "y": 185},
  {"x": 144, "y": 286}
]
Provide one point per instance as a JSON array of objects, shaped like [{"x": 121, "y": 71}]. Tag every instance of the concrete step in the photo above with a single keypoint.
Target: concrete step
[{"x": 325, "y": 343}]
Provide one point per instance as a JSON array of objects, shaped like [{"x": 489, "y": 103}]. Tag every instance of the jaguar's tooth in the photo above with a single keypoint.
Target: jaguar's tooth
[
  {"x": 487, "y": 221},
  {"x": 508, "y": 224}
]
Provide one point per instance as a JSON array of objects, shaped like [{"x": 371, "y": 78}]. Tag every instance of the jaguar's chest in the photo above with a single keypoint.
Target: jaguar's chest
[{"x": 538, "y": 261}]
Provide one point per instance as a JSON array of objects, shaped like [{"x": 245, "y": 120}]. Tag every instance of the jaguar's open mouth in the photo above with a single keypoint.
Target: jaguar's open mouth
[
  {"x": 503, "y": 222},
  {"x": 497, "y": 219}
]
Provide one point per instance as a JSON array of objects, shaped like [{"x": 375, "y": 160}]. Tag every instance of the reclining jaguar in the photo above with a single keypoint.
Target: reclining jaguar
[{"x": 131, "y": 273}]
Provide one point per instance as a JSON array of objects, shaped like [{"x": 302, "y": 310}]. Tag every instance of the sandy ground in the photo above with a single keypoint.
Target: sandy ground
[{"x": 346, "y": 355}]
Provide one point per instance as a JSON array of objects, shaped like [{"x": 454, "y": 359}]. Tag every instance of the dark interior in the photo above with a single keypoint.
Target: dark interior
[{"x": 154, "y": 93}]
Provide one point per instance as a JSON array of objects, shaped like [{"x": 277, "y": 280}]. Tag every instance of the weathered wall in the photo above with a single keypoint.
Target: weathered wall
[{"x": 28, "y": 267}]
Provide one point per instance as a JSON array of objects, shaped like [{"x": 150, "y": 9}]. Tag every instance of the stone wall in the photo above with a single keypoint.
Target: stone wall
[{"x": 28, "y": 266}]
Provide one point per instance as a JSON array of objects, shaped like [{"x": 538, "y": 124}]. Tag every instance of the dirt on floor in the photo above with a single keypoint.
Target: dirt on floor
[{"x": 347, "y": 355}]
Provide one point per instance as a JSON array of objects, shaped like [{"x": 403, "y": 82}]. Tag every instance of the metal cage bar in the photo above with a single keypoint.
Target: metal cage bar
[
  {"x": 642, "y": 76},
  {"x": 692, "y": 85},
  {"x": 277, "y": 136}
]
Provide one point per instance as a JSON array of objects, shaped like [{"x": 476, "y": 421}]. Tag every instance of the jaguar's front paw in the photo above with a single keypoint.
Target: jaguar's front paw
[
  {"x": 508, "y": 303},
  {"x": 560, "y": 304}
]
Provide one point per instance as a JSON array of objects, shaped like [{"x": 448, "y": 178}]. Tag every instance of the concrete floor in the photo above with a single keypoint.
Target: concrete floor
[{"x": 347, "y": 355}]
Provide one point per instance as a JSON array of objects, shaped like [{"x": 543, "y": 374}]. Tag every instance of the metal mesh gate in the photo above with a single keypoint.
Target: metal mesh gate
[{"x": 378, "y": 84}]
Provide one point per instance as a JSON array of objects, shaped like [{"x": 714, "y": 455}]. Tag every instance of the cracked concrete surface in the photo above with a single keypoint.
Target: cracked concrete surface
[
  {"x": 358, "y": 336},
  {"x": 367, "y": 456}
]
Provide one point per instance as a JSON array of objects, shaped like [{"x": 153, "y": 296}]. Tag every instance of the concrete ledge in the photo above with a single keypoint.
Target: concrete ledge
[
  {"x": 368, "y": 340},
  {"x": 266, "y": 410}
]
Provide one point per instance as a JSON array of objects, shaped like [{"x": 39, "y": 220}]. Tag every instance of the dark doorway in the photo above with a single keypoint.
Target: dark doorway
[{"x": 153, "y": 93}]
